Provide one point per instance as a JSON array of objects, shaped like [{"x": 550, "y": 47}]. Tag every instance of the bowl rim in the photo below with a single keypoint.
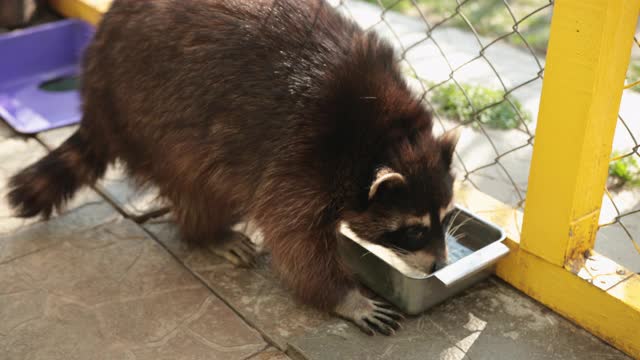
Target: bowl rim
[{"x": 345, "y": 231}]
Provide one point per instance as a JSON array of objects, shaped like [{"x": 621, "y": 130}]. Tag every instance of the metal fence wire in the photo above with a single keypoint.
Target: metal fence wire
[
  {"x": 478, "y": 65},
  {"x": 621, "y": 207}
]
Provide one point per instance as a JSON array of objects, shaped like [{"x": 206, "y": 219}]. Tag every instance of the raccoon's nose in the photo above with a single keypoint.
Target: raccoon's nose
[{"x": 438, "y": 265}]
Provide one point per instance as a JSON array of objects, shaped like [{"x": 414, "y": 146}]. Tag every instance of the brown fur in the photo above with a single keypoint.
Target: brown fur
[{"x": 276, "y": 111}]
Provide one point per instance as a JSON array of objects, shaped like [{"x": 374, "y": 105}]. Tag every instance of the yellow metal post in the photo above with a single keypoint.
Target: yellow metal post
[
  {"x": 88, "y": 10},
  {"x": 588, "y": 56}
]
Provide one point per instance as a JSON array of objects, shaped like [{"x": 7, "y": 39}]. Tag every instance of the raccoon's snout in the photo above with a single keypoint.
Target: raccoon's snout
[
  {"x": 439, "y": 264},
  {"x": 442, "y": 259},
  {"x": 424, "y": 260}
]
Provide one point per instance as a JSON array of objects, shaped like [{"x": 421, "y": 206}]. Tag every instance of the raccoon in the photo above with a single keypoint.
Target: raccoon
[{"x": 281, "y": 114}]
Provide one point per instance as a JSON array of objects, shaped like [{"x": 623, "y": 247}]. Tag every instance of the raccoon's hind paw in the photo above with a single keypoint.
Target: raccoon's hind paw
[
  {"x": 237, "y": 249},
  {"x": 369, "y": 315}
]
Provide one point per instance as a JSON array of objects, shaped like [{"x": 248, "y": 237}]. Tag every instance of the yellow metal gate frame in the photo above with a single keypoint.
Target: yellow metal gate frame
[
  {"x": 551, "y": 258},
  {"x": 553, "y": 261}
]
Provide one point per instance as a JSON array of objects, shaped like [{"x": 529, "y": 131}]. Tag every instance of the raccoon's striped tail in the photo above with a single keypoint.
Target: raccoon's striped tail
[{"x": 52, "y": 181}]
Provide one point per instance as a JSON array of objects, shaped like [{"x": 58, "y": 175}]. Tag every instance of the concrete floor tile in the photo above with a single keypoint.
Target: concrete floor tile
[
  {"x": 493, "y": 321},
  {"x": 254, "y": 293},
  {"x": 489, "y": 321},
  {"x": 270, "y": 354},
  {"x": 30, "y": 239},
  {"x": 186, "y": 345},
  {"x": 62, "y": 330},
  {"x": 91, "y": 285},
  {"x": 418, "y": 339}
]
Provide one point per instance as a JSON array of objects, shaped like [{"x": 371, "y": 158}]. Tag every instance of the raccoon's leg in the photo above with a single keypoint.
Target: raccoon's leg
[
  {"x": 251, "y": 230},
  {"x": 368, "y": 314},
  {"x": 236, "y": 247},
  {"x": 206, "y": 225},
  {"x": 308, "y": 262}
]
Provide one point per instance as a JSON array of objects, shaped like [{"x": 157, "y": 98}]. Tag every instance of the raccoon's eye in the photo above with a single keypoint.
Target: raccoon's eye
[
  {"x": 415, "y": 232},
  {"x": 411, "y": 238}
]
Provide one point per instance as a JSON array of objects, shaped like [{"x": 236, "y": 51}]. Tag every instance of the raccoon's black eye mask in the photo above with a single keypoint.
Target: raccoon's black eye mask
[{"x": 410, "y": 238}]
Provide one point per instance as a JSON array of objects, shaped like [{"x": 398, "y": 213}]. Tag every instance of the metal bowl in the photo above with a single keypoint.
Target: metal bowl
[{"x": 471, "y": 260}]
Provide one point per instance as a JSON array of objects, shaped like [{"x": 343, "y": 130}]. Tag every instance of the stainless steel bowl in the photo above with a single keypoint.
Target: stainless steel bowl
[{"x": 471, "y": 260}]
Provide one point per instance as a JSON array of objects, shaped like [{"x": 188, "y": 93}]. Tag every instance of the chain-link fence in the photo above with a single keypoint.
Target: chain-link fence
[
  {"x": 478, "y": 65},
  {"x": 620, "y": 219}
]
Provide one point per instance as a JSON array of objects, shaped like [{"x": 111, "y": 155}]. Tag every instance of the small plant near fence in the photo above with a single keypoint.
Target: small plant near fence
[
  {"x": 467, "y": 103},
  {"x": 625, "y": 170},
  {"x": 461, "y": 103}
]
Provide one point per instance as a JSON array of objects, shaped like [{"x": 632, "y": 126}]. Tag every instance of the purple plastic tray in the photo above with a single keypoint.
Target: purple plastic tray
[{"x": 32, "y": 61}]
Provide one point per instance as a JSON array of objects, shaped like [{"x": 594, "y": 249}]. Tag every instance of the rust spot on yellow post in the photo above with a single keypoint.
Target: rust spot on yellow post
[{"x": 578, "y": 249}]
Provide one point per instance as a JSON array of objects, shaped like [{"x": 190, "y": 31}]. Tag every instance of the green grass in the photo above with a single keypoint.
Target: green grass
[
  {"x": 496, "y": 112},
  {"x": 489, "y": 18},
  {"x": 492, "y": 107},
  {"x": 626, "y": 170},
  {"x": 402, "y": 5}
]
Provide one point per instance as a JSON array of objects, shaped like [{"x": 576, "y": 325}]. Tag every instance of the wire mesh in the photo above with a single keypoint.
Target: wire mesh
[
  {"x": 620, "y": 217},
  {"x": 478, "y": 65}
]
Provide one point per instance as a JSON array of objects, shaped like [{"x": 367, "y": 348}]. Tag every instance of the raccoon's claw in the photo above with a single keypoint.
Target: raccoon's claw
[
  {"x": 381, "y": 320},
  {"x": 369, "y": 315},
  {"x": 237, "y": 249}
]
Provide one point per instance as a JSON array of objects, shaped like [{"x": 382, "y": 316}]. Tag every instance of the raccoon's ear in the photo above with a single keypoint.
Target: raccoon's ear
[
  {"x": 448, "y": 142},
  {"x": 385, "y": 177}
]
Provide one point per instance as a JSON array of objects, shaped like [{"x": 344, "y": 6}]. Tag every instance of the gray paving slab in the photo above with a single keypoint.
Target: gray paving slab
[
  {"x": 254, "y": 293},
  {"x": 135, "y": 202},
  {"x": 88, "y": 285},
  {"x": 418, "y": 339},
  {"x": 270, "y": 354},
  {"x": 494, "y": 321},
  {"x": 489, "y": 321}
]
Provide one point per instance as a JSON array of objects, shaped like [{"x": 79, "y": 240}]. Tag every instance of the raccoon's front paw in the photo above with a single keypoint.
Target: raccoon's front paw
[
  {"x": 237, "y": 248},
  {"x": 369, "y": 315}
]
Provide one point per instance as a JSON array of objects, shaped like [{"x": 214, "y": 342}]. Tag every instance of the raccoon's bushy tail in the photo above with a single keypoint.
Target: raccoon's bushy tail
[{"x": 51, "y": 181}]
